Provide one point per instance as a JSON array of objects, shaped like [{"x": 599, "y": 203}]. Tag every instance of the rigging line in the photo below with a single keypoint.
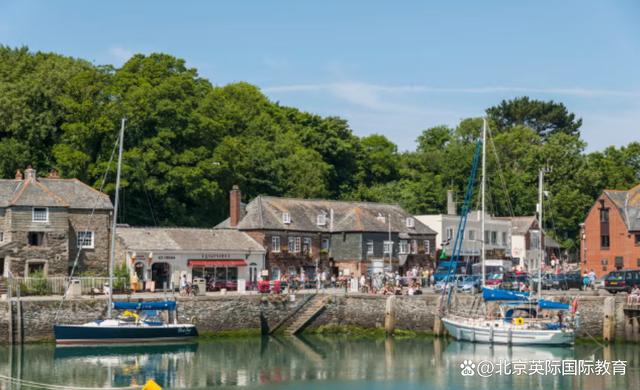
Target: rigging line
[
  {"x": 500, "y": 175},
  {"x": 79, "y": 250}
]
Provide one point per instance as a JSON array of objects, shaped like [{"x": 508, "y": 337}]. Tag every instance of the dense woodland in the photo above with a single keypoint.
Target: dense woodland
[{"x": 188, "y": 141}]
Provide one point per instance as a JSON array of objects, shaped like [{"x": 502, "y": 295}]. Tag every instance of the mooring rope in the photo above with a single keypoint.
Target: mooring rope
[{"x": 39, "y": 385}]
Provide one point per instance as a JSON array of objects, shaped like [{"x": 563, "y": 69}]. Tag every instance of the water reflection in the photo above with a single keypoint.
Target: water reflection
[{"x": 315, "y": 362}]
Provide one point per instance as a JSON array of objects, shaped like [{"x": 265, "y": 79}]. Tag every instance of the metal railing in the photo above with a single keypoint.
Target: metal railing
[{"x": 57, "y": 285}]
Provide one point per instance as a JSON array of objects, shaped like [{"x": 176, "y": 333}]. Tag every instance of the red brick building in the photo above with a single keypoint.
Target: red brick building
[{"x": 610, "y": 235}]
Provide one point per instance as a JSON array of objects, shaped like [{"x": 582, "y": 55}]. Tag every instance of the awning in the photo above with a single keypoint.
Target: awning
[{"x": 217, "y": 263}]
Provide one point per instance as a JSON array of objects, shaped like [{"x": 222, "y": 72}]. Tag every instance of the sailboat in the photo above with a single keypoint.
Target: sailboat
[
  {"x": 140, "y": 321},
  {"x": 518, "y": 320}
]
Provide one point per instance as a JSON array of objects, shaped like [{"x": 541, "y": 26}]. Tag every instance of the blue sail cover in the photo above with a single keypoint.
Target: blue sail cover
[
  {"x": 553, "y": 305},
  {"x": 162, "y": 305},
  {"x": 495, "y": 294}
]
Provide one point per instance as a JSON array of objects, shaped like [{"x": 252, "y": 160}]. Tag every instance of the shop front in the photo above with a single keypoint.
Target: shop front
[{"x": 221, "y": 274}]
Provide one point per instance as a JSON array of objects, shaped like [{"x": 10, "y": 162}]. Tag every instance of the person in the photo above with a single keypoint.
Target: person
[
  {"x": 363, "y": 282},
  {"x": 585, "y": 280},
  {"x": 333, "y": 281},
  {"x": 592, "y": 279},
  {"x": 302, "y": 280},
  {"x": 634, "y": 296},
  {"x": 323, "y": 279},
  {"x": 183, "y": 283}
]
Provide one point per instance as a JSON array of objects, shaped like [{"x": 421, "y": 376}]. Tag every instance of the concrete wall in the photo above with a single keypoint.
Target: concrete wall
[{"x": 234, "y": 312}]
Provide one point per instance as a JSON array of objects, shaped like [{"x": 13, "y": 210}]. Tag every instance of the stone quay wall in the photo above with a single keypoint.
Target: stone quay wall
[{"x": 241, "y": 312}]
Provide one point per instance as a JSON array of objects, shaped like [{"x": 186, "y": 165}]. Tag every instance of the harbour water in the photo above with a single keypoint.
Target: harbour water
[{"x": 321, "y": 362}]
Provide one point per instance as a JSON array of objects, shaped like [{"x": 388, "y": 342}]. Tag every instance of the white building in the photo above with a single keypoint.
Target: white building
[
  {"x": 525, "y": 242},
  {"x": 497, "y": 235},
  {"x": 165, "y": 254}
]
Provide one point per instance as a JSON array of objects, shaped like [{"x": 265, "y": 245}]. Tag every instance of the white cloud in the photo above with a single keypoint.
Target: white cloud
[{"x": 120, "y": 54}]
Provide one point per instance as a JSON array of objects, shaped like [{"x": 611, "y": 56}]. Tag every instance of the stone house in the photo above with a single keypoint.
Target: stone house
[
  {"x": 610, "y": 234},
  {"x": 310, "y": 234},
  {"x": 45, "y": 223},
  {"x": 164, "y": 255}
]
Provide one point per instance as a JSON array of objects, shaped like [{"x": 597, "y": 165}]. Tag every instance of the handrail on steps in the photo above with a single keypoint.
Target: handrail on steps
[{"x": 293, "y": 313}]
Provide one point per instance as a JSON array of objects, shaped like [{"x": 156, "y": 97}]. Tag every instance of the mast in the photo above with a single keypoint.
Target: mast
[
  {"x": 482, "y": 191},
  {"x": 540, "y": 247},
  {"x": 112, "y": 253}
]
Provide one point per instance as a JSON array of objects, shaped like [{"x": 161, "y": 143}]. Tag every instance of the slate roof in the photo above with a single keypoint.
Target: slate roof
[
  {"x": 71, "y": 193},
  {"x": 628, "y": 203},
  {"x": 265, "y": 213},
  {"x": 521, "y": 225},
  {"x": 185, "y": 239}
]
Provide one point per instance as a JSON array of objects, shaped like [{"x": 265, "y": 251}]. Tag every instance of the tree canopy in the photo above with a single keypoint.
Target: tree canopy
[{"x": 188, "y": 141}]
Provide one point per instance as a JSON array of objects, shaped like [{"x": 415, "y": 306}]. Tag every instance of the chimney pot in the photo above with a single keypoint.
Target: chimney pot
[
  {"x": 30, "y": 173},
  {"x": 234, "y": 206},
  {"x": 53, "y": 174},
  {"x": 19, "y": 175}
]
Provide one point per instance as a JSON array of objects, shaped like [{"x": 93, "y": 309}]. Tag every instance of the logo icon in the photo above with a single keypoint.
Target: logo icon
[{"x": 467, "y": 368}]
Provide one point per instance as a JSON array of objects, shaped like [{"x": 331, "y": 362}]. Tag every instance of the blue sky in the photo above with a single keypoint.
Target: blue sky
[{"x": 388, "y": 67}]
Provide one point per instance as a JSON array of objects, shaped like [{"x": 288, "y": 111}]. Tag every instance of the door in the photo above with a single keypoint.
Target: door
[
  {"x": 161, "y": 275},
  {"x": 2, "y": 266}
]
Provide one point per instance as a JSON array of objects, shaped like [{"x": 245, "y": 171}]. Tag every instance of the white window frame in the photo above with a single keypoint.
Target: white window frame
[
  {"x": 275, "y": 244},
  {"x": 411, "y": 223},
  {"x": 427, "y": 247},
  {"x": 387, "y": 247},
  {"x": 294, "y": 244},
  {"x": 449, "y": 233},
  {"x": 505, "y": 239},
  {"x": 46, "y": 214},
  {"x": 404, "y": 247},
  {"x": 413, "y": 246},
  {"x": 370, "y": 247},
  {"x": 472, "y": 234},
  {"x": 321, "y": 219},
  {"x": 325, "y": 244},
  {"x": 81, "y": 243},
  {"x": 494, "y": 237},
  {"x": 286, "y": 218}
]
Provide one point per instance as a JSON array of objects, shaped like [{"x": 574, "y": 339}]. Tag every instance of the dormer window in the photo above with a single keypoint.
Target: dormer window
[
  {"x": 286, "y": 218},
  {"x": 381, "y": 217},
  {"x": 411, "y": 223},
  {"x": 321, "y": 220},
  {"x": 40, "y": 214}
]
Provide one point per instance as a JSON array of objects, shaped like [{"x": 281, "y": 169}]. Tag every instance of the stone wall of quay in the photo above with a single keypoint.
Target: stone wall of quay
[{"x": 242, "y": 312}]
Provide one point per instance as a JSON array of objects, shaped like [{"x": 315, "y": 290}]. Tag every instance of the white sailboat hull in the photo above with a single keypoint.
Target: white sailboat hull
[{"x": 499, "y": 332}]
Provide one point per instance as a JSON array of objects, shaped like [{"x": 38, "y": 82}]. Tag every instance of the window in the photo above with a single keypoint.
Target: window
[
  {"x": 404, "y": 248},
  {"x": 486, "y": 236},
  {"x": 604, "y": 241},
  {"x": 449, "y": 233},
  {"x": 286, "y": 218},
  {"x": 321, "y": 220},
  {"x": 1, "y": 236},
  {"x": 35, "y": 238},
  {"x": 472, "y": 235},
  {"x": 604, "y": 215},
  {"x": 370, "y": 247},
  {"x": 85, "y": 240},
  {"x": 504, "y": 238},
  {"x": 306, "y": 246},
  {"x": 494, "y": 238},
  {"x": 275, "y": 273},
  {"x": 325, "y": 244},
  {"x": 427, "y": 247},
  {"x": 638, "y": 263},
  {"x": 388, "y": 247},
  {"x": 411, "y": 222},
  {"x": 275, "y": 244},
  {"x": 40, "y": 214},
  {"x": 637, "y": 236},
  {"x": 294, "y": 244},
  {"x": 414, "y": 246},
  {"x": 35, "y": 269}
]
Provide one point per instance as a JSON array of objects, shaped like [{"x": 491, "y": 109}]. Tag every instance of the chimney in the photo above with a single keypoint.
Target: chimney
[
  {"x": 30, "y": 173},
  {"x": 451, "y": 204},
  {"x": 234, "y": 206},
  {"x": 19, "y": 175},
  {"x": 53, "y": 174}
]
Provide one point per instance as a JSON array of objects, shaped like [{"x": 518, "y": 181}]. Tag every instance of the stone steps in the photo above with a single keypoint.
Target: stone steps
[{"x": 313, "y": 308}]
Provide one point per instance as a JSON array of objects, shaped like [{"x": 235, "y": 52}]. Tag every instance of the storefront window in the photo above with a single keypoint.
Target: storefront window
[
  {"x": 221, "y": 274},
  {"x": 275, "y": 273},
  {"x": 232, "y": 273}
]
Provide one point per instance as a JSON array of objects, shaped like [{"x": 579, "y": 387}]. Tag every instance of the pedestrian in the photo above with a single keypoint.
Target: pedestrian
[
  {"x": 585, "y": 280},
  {"x": 592, "y": 279},
  {"x": 323, "y": 279},
  {"x": 363, "y": 282},
  {"x": 302, "y": 280}
]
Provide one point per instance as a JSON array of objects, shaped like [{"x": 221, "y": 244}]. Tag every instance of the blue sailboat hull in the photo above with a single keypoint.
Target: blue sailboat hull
[{"x": 90, "y": 335}]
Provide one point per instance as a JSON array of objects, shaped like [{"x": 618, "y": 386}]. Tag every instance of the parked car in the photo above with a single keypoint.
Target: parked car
[
  {"x": 454, "y": 280},
  {"x": 470, "y": 284},
  {"x": 568, "y": 280},
  {"x": 515, "y": 281},
  {"x": 494, "y": 280},
  {"x": 624, "y": 280}
]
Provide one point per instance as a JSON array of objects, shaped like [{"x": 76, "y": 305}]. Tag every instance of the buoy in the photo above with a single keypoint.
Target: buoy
[{"x": 151, "y": 385}]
